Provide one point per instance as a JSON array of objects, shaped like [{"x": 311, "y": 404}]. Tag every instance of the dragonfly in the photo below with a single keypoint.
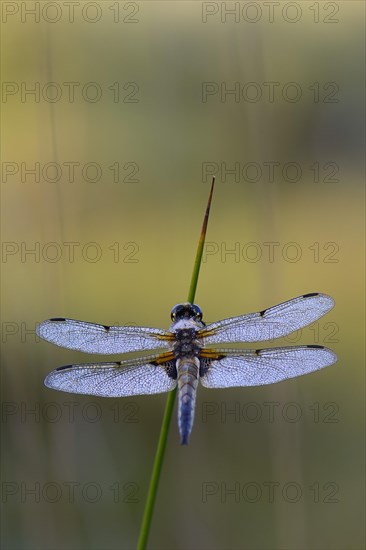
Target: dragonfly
[{"x": 186, "y": 356}]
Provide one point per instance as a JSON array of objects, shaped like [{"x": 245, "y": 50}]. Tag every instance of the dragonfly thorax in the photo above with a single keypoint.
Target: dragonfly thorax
[
  {"x": 186, "y": 343},
  {"x": 187, "y": 320}
]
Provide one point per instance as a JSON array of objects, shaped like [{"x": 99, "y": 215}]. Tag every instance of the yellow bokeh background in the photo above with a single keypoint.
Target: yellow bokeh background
[{"x": 122, "y": 252}]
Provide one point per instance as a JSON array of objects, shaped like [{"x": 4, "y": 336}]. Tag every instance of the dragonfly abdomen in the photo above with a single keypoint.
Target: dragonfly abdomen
[{"x": 188, "y": 372}]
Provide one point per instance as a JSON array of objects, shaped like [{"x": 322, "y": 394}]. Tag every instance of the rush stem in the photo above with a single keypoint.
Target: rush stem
[{"x": 160, "y": 451}]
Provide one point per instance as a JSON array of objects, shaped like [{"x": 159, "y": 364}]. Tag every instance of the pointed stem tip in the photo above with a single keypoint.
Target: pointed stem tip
[{"x": 200, "y": 247}]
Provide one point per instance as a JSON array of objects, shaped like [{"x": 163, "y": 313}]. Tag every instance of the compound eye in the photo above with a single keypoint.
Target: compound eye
[
  {"x": 175, "y": 312},
  {"x": 197, "y": 312}
]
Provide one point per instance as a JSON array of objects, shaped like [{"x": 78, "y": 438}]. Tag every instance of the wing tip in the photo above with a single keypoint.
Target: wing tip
[
  {"x": 332, "y": 356},
  {"x": 45, "y": 324},
  {"x": 321, "y": 295},
  {"x": 48, "y": 381}
]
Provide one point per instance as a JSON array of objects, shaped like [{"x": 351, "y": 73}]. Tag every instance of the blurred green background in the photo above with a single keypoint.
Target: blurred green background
[{"x": 276, "y": 467}]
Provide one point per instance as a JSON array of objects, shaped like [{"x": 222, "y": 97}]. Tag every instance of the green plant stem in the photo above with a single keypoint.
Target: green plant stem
[{"x": 163, "y": 437}]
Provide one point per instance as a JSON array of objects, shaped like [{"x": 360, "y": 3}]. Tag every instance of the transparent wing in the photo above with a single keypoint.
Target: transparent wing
[
  {"x": 270, "y": 323},
  {"x": 132, "y": 377},
  {"x": 266, "y": 366},
  {"x": 93, "y": 338}
]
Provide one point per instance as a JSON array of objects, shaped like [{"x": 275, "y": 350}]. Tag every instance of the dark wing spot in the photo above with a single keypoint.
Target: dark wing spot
[
  {"x": 58, "y": 319},
  {"x": 261, "y": 313},
  {"x": 205, "y": 363},
  {"x": 169, "y": 367},
  {"x": 258, "y": 351},
  {"x": 204, "y": 366},
  {"x": 315, "y": 346},
  {"x": 310, "y": 294},
  {"x": 106, "y": 327},
  {"x": 64, "y": 367}
]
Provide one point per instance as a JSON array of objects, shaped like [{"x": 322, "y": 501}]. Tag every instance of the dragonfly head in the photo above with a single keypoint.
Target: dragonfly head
[{"x": 186, "y": 311}]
